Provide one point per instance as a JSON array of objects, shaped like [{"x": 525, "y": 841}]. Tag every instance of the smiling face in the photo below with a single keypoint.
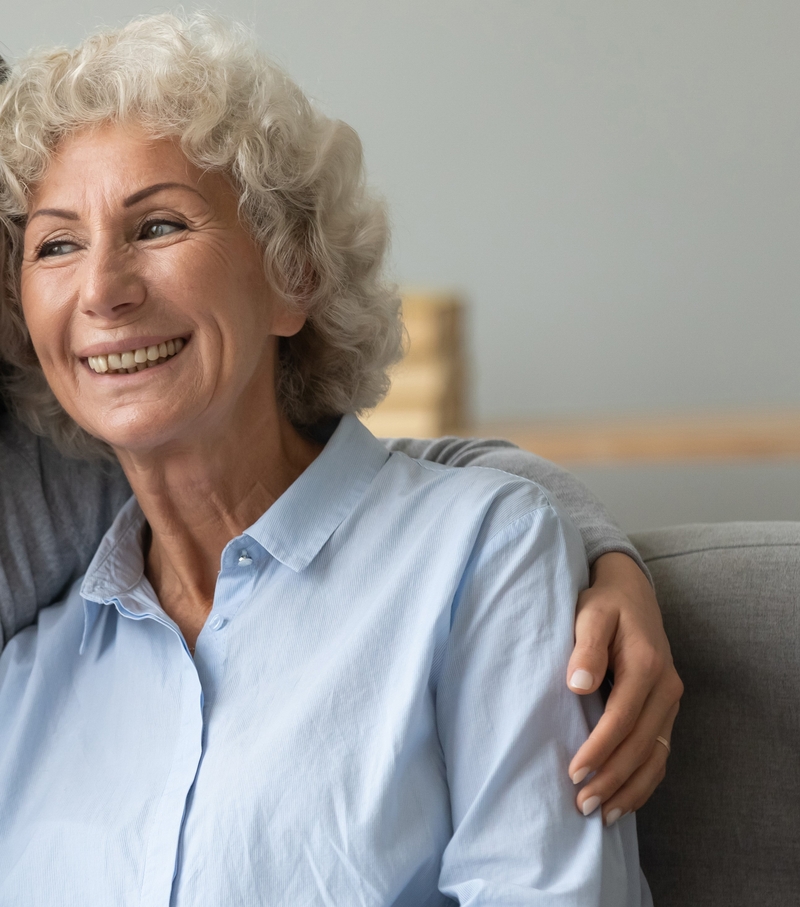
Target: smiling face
[{"x": 145, "y": 297}]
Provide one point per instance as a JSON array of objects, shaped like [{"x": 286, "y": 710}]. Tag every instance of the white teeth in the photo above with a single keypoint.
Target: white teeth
[{"x": 135, "y": 360}]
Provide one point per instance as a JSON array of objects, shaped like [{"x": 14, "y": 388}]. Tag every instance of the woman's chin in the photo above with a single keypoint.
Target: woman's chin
[{"x": 137, "y": 433}]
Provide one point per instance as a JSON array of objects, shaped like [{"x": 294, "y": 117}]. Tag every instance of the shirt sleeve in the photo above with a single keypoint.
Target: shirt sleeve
[
  {"x": 509, "y": 727},
  {"x": 599, "y": 531}
]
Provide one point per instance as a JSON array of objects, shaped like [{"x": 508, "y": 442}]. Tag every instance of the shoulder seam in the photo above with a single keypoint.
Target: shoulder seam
[{"x": 523, "y": 516}]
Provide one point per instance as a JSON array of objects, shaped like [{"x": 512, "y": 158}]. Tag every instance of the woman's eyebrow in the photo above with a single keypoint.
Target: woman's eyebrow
[
  {"x": 151, "y": 190},
  {"x": 54, "y": 212},
  {"x": 126, "y": 203}
]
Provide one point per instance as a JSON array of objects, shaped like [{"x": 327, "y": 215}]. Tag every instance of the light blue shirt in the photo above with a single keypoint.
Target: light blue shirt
[{"x": 376, "y": 712}]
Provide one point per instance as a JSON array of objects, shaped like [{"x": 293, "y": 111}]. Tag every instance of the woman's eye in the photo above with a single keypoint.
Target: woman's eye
[
  {"x": 56, "y": 248},
  {"x": 157, "y": 229}
]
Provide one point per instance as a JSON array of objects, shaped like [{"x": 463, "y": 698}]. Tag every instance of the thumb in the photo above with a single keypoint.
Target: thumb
[{"x": 595, "y": 627}]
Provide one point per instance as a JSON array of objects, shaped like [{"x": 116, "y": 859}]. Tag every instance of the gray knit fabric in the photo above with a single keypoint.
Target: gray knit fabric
[
  {"x": 54, "y": 511},
  {"x": 723, "y": 829}
]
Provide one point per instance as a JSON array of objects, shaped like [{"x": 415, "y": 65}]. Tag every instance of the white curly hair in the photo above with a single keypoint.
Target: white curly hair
[{"x": 301, "y": 185}]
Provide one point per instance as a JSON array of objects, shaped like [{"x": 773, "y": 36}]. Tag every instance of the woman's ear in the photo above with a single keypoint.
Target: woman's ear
[
  {"x": 291, "y": 319},
  {"x": 287, "y": 322}
]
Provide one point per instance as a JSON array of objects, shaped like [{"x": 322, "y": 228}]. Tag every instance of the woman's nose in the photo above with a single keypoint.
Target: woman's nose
[{"x": 111, "y": 287}]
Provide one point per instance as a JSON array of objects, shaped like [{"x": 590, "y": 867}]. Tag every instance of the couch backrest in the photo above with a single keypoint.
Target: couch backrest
[{"x": 724, "y": 827}]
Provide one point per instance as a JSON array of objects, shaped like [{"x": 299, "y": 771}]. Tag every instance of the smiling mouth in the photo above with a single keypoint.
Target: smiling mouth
[{"x": 135, "y": 360}]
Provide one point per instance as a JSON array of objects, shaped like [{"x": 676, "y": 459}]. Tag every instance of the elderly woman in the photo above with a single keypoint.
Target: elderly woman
[{"x": 299, "y": 669}]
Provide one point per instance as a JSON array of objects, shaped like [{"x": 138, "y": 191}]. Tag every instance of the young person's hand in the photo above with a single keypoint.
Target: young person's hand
[{"x": 618, "y": 627}]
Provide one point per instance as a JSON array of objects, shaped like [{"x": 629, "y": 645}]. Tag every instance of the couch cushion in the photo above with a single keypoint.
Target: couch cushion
[{"x": 724, "y": 827}]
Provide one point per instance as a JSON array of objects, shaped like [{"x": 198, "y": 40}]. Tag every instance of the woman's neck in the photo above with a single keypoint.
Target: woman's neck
[{"x": 197, "y": 496}]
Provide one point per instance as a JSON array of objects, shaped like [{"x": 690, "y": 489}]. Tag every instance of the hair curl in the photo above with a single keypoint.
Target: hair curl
[{"x": 301, "y": 185}]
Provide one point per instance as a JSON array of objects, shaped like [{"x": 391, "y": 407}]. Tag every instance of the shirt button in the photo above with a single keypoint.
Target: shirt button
[
  {"x": 244, "y": 559},
  {"x": 216, "y": 622}
]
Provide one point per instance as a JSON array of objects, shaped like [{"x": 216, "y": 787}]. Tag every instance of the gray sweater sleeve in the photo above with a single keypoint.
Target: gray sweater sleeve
[
  {"x": 54, "y": 512},
  {"x": 599, "y": 531}
]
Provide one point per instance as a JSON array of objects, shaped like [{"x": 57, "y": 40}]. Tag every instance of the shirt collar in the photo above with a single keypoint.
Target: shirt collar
[
  {"x": 116, "y": 568},
  {"x": 293, "y": 530},
  {"x": 307, "y": 514}
]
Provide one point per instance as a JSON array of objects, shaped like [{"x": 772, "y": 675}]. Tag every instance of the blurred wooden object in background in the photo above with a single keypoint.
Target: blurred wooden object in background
[
  {"x": 767, "y": 434},
  {"x": 427, "y": 397}
]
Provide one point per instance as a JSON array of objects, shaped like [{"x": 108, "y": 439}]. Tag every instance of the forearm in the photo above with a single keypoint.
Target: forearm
[{"x": 599, "y": 531}]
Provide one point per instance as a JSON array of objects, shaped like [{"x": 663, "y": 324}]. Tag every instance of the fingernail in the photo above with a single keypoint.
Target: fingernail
[
  {"x": 580, "y": 775},
  {"x": 590, "y": 805},
  {"x": 581, "y": 680},
  {"x": 612, "y": 817}
]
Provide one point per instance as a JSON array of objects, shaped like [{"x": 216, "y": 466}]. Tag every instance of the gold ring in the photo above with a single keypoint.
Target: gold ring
[{"x": 664, "y": 742}]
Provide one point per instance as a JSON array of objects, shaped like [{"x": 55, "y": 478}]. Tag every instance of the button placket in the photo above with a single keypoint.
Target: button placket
[
  {"x": 243, "y": 560},
  {"x": 228, "y": 596}
]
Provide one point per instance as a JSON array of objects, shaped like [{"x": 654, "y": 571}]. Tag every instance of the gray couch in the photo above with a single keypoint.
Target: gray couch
[{"x": 724, "y": 828}]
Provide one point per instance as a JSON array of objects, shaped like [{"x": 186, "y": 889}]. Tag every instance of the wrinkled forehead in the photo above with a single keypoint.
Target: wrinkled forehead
[{"x": 112, "y": 163}]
